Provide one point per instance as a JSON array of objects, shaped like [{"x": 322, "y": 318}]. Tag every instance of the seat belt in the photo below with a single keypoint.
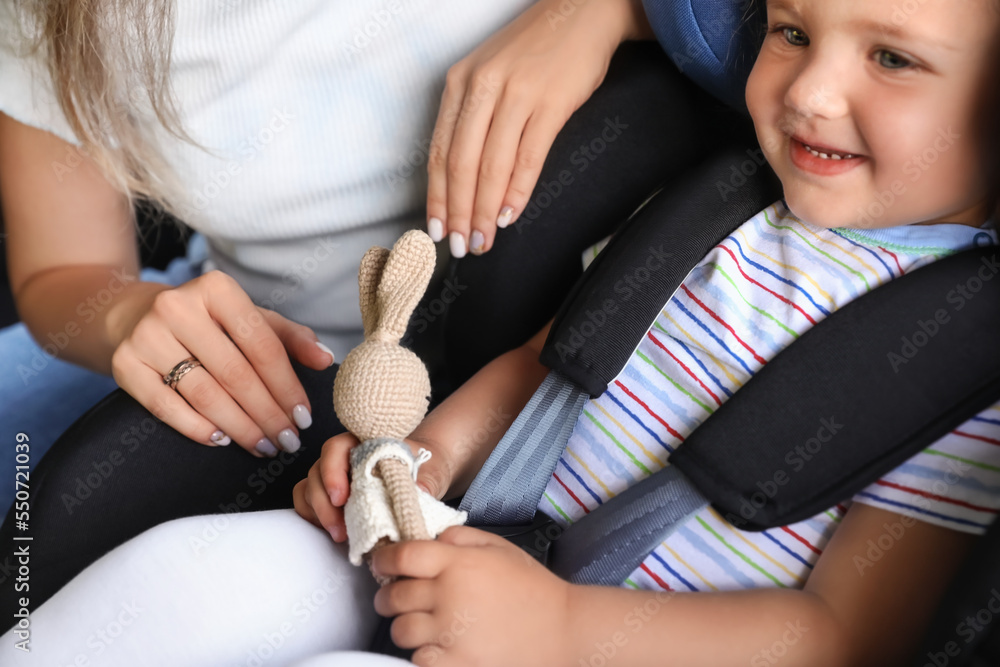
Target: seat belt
[
  {"x": 650, "y": 257},
  {"x": 507, "y": 488}
]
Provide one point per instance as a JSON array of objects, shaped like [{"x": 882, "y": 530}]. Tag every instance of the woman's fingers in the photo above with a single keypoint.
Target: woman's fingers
[
  {"x": 299, "y": 340},
  {"x": 230, "y": 306},
  {"x": 495, "y": 167},
  {"x": 539, "y": 135},
  {"x": 228, "y": 389},
  {"x": 146, "y": 386},
  {"x": 464, "y": 158},
  {"x": 245, "y": 389},
  {"x": 503, "y": 105},
  {"x": 207, "y": 397},
  {"x": 437, "y": 158},
  {"x": 158, "y": 349}
]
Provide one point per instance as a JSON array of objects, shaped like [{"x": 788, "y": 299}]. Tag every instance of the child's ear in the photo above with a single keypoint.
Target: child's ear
[
  {"x": 407, "y": 272},
  {"x": 369, "y": 277}
]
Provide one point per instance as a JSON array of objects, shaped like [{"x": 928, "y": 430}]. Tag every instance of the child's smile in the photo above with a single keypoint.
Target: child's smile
[
  {"x": 812, "y": 156},
  {"x": 873, "y": 113}
]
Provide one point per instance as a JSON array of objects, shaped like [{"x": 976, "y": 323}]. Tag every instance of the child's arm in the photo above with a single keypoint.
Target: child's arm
[
  {"x": 467, "y": 425},
  {"x": 853, "y": 611},
  {"x": 460, "y": 433},
  {"x": 477, "y": 599}
]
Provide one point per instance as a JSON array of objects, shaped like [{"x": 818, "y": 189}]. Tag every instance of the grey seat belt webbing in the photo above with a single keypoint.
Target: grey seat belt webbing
[
  {"x": 604, "y": 547},
  {"x": 510, "y": 484}
]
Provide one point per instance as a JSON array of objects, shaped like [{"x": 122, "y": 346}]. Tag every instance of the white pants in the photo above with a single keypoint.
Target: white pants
[{"x": 254, "y": 590}]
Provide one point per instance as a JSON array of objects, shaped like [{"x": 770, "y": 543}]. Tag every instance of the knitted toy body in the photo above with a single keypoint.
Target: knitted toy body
[
  {"x": 381, "y": 394},
  {"x": 385, "y": 504}
]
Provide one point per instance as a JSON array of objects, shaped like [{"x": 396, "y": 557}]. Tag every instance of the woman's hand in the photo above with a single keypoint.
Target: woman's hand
[
  {"x": 320, "y": 497},
  {"x": 245, "y": 390},
  {"x": 503, "y": 106}
]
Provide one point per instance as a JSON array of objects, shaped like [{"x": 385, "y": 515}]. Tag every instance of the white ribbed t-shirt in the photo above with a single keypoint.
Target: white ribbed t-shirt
[{"x": 316, "y": 116}]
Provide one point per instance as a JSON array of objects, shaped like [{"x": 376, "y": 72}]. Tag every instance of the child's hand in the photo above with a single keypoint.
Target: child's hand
[
  {"x": 503, "y": 106},
  {"x": 473, "y": 599},
  {"x": 320, "y": 497}
]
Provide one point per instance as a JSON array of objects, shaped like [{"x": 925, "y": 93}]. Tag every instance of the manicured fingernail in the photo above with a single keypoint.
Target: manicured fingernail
[
  {"x": 300, "y": 414},
  {"x": 289, "y": 441},
  {"x": 506, "y": 215},
  {"x": 477, "y": 242},
  {"x": 435, "y": 229},
  {"x": 328, "y": 351},
  {"x": 266, "y": 447},
  {"x": 457, "y": 243},
  {"x": 220, "y": 439}
]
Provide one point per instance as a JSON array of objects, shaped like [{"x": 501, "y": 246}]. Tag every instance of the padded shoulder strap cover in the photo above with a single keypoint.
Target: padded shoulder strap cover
[
  {"x": 880, "y": 379},
  {"x": 609, "y": 309}
]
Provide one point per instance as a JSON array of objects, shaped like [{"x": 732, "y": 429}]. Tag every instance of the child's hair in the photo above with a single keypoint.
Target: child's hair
[{"x": 109, "y": 62}]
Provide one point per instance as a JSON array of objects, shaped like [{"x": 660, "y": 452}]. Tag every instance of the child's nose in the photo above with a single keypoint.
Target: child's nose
[{"x": 819, "y": 89}]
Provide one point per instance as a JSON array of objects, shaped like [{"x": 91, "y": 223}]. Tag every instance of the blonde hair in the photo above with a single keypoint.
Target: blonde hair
[{"x": 109, "y": 61}]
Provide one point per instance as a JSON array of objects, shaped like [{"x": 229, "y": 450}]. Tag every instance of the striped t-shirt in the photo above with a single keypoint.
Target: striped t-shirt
[{"x": 751, "y": 296}]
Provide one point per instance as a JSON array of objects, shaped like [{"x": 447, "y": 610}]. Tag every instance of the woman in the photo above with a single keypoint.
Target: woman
[{"x": 259, "y": 187}]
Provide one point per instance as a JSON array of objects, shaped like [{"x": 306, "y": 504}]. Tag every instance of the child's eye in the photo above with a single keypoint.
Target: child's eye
[
  {"x": 794, "y": 36},
  {"x": 890, "y": 60}
]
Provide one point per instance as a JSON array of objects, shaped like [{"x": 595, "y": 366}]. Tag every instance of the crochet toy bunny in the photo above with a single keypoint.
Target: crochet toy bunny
[{"x": 381, "y": 394}]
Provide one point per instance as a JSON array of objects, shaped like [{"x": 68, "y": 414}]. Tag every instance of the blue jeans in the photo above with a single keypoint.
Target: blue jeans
[{"x": 41, "y": 395}]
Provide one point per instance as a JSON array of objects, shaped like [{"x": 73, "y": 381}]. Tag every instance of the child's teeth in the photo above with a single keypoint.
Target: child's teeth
[{"x": 832, "y": 156}]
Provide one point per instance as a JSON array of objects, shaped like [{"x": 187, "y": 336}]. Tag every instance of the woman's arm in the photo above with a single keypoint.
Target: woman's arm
[
  {"x": 72, "y": 255},
  {"x": 74, "y": 271}
]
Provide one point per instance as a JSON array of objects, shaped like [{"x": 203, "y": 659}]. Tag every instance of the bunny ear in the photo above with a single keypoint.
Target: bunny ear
[
  {"x": 405, "y": 277},
  {"x": 369, "y": 276}
]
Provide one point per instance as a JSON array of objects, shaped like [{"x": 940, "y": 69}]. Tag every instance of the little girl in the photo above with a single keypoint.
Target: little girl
[{"x": 855, "y": 103}]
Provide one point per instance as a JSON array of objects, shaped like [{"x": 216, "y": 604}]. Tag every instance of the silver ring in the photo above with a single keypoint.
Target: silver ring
[{"x": 180, "y": 370}]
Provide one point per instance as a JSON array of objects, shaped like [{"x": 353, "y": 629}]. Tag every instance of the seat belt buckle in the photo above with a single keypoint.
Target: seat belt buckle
[{"x": 535, "y": 538}]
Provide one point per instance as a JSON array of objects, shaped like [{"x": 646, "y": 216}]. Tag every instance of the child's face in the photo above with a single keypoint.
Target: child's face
[{"x": 895, "y": 88}]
